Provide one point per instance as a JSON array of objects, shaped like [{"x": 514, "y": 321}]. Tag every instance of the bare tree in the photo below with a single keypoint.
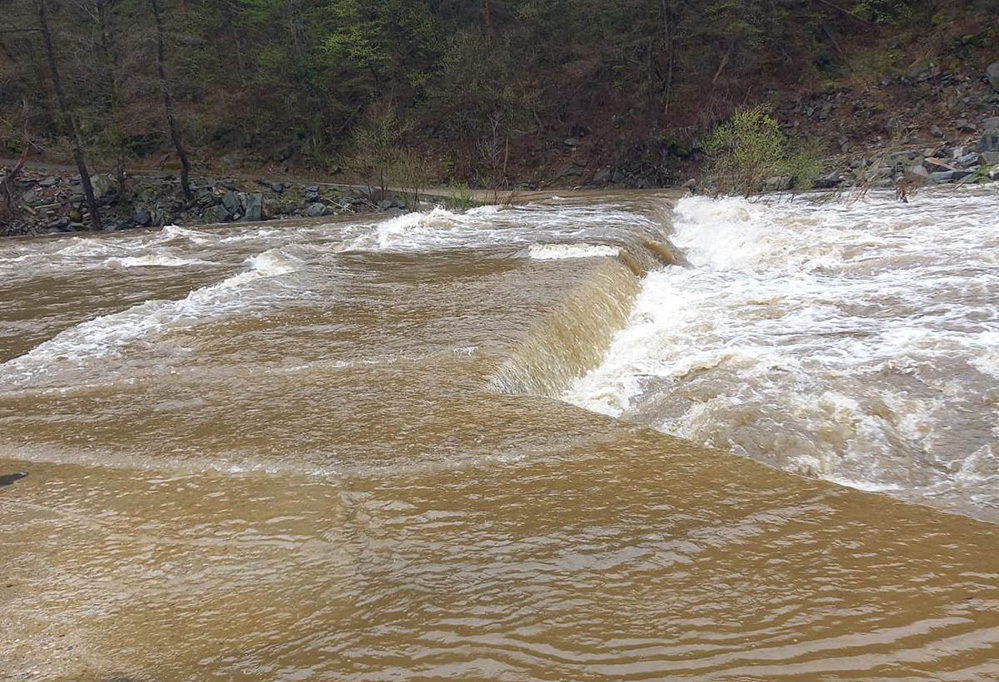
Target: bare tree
[
  {"x": 109, "y": 60},
  {"x": 68, "y": 121},
  {"x": 185, "y": 167}
]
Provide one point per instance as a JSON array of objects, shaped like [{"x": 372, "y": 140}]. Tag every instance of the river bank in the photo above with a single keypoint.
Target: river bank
[{"x": 48, "y": 198}]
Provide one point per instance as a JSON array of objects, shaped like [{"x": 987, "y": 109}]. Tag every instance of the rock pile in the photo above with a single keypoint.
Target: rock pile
[{"x": 54, "y": 202}]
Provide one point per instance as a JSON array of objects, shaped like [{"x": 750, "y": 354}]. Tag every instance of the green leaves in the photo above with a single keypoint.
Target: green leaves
[{"x": 750, "y": 151}]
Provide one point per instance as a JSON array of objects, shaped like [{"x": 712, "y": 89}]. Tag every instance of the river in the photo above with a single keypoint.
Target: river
[{"x": 621, "y": 436}]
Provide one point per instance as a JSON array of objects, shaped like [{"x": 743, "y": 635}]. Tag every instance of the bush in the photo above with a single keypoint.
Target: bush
[{"x": 750, "y": 153}]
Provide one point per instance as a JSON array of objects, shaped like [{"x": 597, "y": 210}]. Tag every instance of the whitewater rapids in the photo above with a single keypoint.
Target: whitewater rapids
[{"x": 856, "y": 342}]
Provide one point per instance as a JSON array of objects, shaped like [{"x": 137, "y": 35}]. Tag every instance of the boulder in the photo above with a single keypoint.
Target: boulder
[
  {"x": 231, "y": 203},
  {"x": 829, "y": 181},
  {"x": 965, "y": 126},
  {"x": 989, "y": 142},
  {"x": 253, "y": 207},
  {"x": 968, "y": 160},
  {"x": 918, "y": 175},
  {"x": 389, "y": 205},
  {"x": 991, "y": 125},
  {"x": 936, "y": 131},
  {"x": 947, "y": 176},
  {"x": 141, "y": 217},
  {"x": 104, "y": 186},
  {"x": 315, "y": 210},
  {"x": 601, "y": 178},
  {"x": 778, "y": 183},
  {"x": 990, "y": 158},
  {"x": 992, "y": 74},
  {"x": 49, "y": 182}
]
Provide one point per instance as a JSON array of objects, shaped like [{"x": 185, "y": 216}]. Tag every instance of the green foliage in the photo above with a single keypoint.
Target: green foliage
[
  {"x": 461, "y": 197},
  {"x": 750, "y": 150}
]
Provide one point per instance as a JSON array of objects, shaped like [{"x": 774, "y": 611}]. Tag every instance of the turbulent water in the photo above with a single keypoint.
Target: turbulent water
[
  {"x": 857, "y": 342},
  {"x": 354, "y": 450}
]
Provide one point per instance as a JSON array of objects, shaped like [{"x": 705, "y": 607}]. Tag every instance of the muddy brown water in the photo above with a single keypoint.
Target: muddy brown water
[{"x": 337, "y": 452}]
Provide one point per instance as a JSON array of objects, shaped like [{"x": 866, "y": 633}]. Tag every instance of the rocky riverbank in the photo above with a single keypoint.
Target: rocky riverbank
[
  {"x": 973, "y": 158},
  {"x": 52, "y": 201}
]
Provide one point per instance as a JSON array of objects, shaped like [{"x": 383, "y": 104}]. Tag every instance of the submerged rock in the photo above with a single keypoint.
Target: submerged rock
[{"x": 10, "y": 479}]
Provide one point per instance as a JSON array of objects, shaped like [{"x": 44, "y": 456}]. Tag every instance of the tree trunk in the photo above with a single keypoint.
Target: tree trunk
[
  {"x": 487, "y": 15},
  {"x": 185, "y": 167},
  {"x": 110, "y": 62},
  {"x": 68, "y": 121}
]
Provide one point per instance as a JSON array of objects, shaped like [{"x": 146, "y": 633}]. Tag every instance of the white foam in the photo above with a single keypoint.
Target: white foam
[
  {"x": 566, "y": 251},
  {"x": 847, "y": 341},
  {"x": 109, "y": 334},
  {"x": 155, "y": 261}
]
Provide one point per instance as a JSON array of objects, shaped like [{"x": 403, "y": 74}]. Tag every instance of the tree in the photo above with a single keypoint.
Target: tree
[
  {"x": 68, "y": 121},
  {"x": 185, "y": 166}
]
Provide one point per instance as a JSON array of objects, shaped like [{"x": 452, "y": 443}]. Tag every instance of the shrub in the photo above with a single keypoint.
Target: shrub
[{"x": 750, "y": 152}]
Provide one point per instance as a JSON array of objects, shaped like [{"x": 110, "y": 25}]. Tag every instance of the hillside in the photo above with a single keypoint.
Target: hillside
[{"x": 485, "y": 93}]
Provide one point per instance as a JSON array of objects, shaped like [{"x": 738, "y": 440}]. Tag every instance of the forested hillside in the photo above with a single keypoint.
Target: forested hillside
[{"x": 488, "y": 92}]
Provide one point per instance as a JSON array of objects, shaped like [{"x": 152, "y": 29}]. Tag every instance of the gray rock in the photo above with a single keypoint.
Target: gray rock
[
  {"x": 965, "y": 126},
  {"x": 312, "y": 189},
  {"x": 104, "y": 186},
  {"x": 990, "y": 158},
  {"x": 992, "y": 73},
  {"x": 918, "y": 175},
  {"x": 315, "y": 210},
  {"x": 141, "y": 217},
  {"x": 601, "y": 178},
  {"x": 947, "y": 176},
  {"x": 936, "y": 131},
  {"x": 778, "y": 184},
  {"x": 49, "y": 182},
  {"x": 618, "y": 177},
  {"x": 217, "y": 214},
  {"x": 991, "y": 125},
  {"x": 968, "y": 160},
  {"x": 989, "y": 142},
  {"x": 253, "y": 207},
  {"x": 231, "y": 202},
  {"x": 829, "y": 181}
]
